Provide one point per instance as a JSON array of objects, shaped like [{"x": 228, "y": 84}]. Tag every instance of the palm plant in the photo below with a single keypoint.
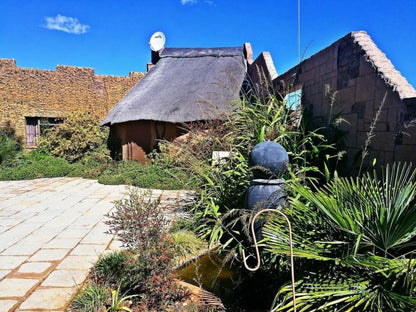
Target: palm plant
[{"x": 354, "y": 243}]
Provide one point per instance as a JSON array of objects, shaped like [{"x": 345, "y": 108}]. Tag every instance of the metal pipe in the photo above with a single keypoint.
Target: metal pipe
[{"x": 292, "y": 270}]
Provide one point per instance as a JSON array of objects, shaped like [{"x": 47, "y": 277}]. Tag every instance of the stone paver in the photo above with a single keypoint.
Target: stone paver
[
  {"x": 3, "y": 273},
  {"x": 47, "y": 299},
  {"x": 7, "y": 305},
  {"x": 34, "y": 267},
  {"x": 11, "y": 262},
  {"x": 51, "y": 233},
  {"x": 65, "y": 278},
  {"x": 16, "y": 287},
  {"x": 49, "y": 255},
  {"x": 78, "y": 262}
]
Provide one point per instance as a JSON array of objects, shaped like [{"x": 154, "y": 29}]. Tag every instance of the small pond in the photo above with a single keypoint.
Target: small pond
[{"x": 239, "y": 289}]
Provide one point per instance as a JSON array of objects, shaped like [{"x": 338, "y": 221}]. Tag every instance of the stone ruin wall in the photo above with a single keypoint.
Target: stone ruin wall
[
  {"x": 344, "y": 69},
  {"x": 27, "y": 92}
]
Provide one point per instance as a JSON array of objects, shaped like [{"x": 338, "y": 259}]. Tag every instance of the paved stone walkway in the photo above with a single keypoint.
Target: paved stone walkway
[{"x": 51, "y": 233}]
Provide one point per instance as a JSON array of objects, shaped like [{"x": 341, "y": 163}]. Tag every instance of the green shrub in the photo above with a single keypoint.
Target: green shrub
[
  {"x": 220, "y": 208},
  {"x": 147, "y": 176},
  {"x": 10, "y": 145},
  {"x": 77, "y": 137},
  {"x": 141, "y": 227},
  {"x": 354, "y": 243},
  {"x": 92, "y": 298},
  {"x": 88, "y": 168},
  {"x": 110, "y": 270},
  {"x": 43, "y": 167}
]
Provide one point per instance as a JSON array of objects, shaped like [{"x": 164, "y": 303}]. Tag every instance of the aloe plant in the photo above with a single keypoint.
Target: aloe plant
[{"x": 120, "y": 303}]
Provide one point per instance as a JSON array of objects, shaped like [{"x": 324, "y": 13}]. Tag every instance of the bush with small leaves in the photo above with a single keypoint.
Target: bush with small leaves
[
  {"x": 77, "y": 137},
  {"x": 147, "y": 271},
  {"x": 10, "y": 144},
  {"x": 34, "y": 168}
]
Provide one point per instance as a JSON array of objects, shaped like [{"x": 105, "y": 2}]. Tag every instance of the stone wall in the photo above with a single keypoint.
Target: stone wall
[
  {"x": 26, "y": 92},
  {"x": 344, "y": 70}
]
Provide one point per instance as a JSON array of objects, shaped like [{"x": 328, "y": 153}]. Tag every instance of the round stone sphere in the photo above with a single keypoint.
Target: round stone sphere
[{"x": 271, "y": 156}]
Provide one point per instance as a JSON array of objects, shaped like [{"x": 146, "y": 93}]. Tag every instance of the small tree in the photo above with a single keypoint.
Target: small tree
[{"x": 78, "y": 137}]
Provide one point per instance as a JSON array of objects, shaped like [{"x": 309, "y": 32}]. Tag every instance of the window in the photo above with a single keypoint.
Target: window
[
  {"x": 36, "y": 126},
  {"x": 293, "y": 99}
]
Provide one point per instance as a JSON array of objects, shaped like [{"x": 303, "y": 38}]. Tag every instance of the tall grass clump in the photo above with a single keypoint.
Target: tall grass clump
[
  {"x": 91, "y": 298},
  {"x": 371, "y": 134}
]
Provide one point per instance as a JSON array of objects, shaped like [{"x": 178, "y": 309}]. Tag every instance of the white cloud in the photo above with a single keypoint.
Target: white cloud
[
  {"x": 67, "y": 24},
  {"x": 185, "y": 2},
  {"x": 189, "y": 1}
]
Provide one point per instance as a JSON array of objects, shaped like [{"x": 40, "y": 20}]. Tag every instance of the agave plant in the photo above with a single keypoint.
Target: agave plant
[{"x": 354, "y": 243}]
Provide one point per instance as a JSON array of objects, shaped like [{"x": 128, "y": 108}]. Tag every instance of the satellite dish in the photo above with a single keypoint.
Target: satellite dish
[{"x": 157, "y": 41}]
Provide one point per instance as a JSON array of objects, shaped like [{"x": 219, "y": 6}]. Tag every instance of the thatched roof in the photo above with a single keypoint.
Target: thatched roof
[{"x": 185, "y": 85}]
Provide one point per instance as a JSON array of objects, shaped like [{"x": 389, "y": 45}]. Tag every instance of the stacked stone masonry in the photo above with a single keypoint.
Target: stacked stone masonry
[
  {"x": 26, "y": 92},
  {"x": 359, "y": 76}
]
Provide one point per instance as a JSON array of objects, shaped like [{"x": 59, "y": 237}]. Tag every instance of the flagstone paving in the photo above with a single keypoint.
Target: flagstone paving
[{"x": 51, "y": 233}]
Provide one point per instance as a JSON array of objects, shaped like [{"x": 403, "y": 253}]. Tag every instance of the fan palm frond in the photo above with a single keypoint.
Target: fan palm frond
[{"x": 354, "y": 240}]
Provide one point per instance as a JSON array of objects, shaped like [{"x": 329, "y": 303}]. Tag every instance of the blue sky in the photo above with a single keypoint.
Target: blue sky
[{"x": 112, "y": 35}]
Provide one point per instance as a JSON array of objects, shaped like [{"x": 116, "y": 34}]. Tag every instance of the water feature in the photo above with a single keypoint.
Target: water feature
[{"x": 238, "y": 289}]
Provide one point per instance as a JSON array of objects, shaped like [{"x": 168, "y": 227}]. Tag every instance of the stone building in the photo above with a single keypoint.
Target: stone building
[
  {"x": 358, "y": 76},
  {"x": 35, "y": 99}
]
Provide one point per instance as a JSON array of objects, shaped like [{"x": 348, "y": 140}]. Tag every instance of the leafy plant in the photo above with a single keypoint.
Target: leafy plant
[
  {"x": 110, "y": 269},
  {"x": 268, "y": 119},
  {"x": 156, "y": 176},
  {"x": 140, "y": 226},
  {"x": 36, "y": 167},
  {"x": 221, "y": 202},
  {"x": 92, "y": 298},
  {"x": 77, "y": 137},
  {"x": 221, "y": 210},
  {"x": 10, "y": 144},
  {"x": 137, "y": 220},
  {"x": 354, "y": 243},
  {"x": 120, "y": 304}
]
